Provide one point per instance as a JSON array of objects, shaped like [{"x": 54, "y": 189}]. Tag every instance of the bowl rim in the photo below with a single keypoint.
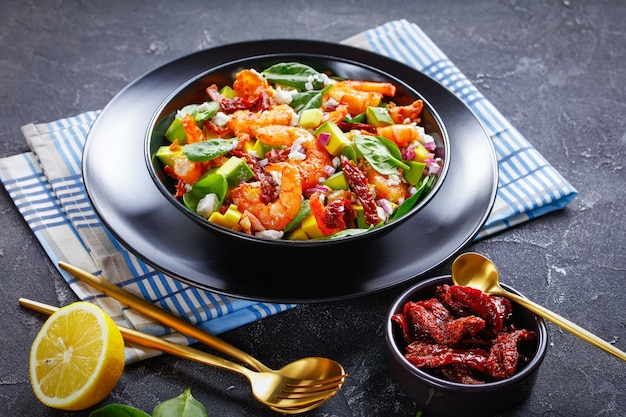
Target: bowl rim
[
  {"x": 158, "y": 115},
  {"x": 445, "y": 385}
]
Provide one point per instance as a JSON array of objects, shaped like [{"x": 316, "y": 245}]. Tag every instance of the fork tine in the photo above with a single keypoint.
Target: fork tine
[
  {"x": 312, "y": 390},
  {"x": 314, "y": 385}
]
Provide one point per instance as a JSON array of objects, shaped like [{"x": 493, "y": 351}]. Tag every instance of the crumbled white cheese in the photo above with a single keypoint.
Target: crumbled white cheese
[
  {"x": 270, "y": 234},
  {"x": 394, "y": 179},
  {"x": 220, "y": 119},
  {"x": 295, "y": 153},
  {"x": 282, "y": 95},
  {"x": 207, "y": 205},
  {"x": 309, "y": 85}
]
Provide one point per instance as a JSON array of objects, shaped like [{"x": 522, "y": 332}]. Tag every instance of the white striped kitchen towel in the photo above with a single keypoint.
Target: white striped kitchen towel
[{"x": 47, "y": 188}]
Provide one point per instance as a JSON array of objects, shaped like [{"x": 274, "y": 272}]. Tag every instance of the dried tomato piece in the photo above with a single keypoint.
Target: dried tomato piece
[
  {"x": 321, "y": 216},
  {"x": 430, "y": 318},
  {"x": 431, "y": 355},
  {"x": 348, "y": 126},
  {"x": 494, "y": 310},
  {"x": 268, "y": 185},
  {"x": 358, "y": 183},
  {"x": 462, "y": 374},
  {"x": 503, "y": 356}
]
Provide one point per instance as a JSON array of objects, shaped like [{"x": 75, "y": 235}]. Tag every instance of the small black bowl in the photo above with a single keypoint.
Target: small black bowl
[
  {"x": 446, "y": 398},
  {"x": 193, "y": 91}
]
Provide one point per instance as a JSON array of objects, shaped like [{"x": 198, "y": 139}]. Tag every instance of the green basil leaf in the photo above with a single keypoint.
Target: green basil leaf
[
  {"x": 185, "y": 405},
  {"x": 376, "y": 151},
  {"x": 205, "y": 111},
  {"x": 118, "y": 410},
  {"x": 208, "y": 149},
  {"x": 209, "y": 184},
  {"x": 293, "y": 74},
  {"x": 305, "y": 209},
  {"x": 426, "y": 185}
]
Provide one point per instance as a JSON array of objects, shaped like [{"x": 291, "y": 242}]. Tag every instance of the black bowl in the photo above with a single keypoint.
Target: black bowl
[
  {"x": 193, "y": 91},
  {"x": 445, "y": 398}
]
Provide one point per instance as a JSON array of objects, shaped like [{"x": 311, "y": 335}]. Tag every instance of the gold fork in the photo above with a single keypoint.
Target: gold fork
[{"x": 280, "y": 393}]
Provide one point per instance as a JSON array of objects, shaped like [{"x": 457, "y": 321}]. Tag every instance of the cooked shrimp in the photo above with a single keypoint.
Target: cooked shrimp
[
  {"x": 307, "y": 154},
  {"x": 386, "y": 89},
  {"x": 193, "y": 132},
  {"x": 401, "y": 134},
  {"x": 390, "y": 187},
  {"x": 358, "y": 95},
  {"x": 249, "y": 84},
  {"x": 406, "y": 114},
  {"x": 248, "y": 122},
  {"x": 185, "y": 170},
  {"x": 277, "y": 214}
]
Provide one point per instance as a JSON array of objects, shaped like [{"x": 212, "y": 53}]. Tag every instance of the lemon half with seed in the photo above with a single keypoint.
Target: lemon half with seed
[{"x": 77, "y": 357}]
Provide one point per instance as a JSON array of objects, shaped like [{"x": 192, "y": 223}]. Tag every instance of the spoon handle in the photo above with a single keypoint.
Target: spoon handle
[
  {"x": 567, "y": 325},
  {"x": 153, "y": 342},
  {"x": 162, "y": 316}
]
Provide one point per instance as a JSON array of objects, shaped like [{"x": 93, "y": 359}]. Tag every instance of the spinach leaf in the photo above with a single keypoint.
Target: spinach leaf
[
  {"x": 305, "y": 209},
  {"x": 185, "y": 405},
  {"x": 208, "y": 184},
  {"x": 426, "y": 185},
  {"x": 307, "y": 100},
  {"x": 293, "y": 74},
  {"x": 208, "y": 149},
  {"x": 118, "y": 410},
  {"x": 381, "y": 153}
]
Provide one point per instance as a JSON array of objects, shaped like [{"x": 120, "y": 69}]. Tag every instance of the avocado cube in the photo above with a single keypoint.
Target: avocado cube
[
  {"x": 227, "y": 91},
  {"x": 310, "y": 118},
  {"x": 230, "y": 219},
  {"x": 310, "y": 227},
  {"x": 421, "y": 153},
  {"x": 235, "y": 170},
  {"x": 378, "y": 116},
  {"x": 337, "y": 141},
  {"x": 167, "y": 156},
  {"x": 176, "y": 132},
  {"x": 297, "y": 234},
  {"x": 337, "y": 181},
  {"x": 415, "y": 174},
  {"x": 360, "y": 217}
]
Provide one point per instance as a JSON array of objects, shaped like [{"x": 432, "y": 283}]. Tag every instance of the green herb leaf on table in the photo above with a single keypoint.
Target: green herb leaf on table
[
  {"x": 118, "y": 410},
  {"x": 185, "y": 405}
]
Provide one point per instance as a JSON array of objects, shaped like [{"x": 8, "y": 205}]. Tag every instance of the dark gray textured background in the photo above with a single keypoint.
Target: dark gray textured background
[{"x": 554, "y": 68}]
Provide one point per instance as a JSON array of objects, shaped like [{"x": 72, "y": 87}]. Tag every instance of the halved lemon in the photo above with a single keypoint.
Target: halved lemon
[{"x": 77, "y": 357}]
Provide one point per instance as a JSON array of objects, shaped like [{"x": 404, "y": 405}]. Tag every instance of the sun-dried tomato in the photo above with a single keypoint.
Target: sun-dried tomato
[
  {"x": 269, "y": 190},
  {"x": 258, "y": 103},
  {"x": 333, "y": 217},
  {"x": 503, "y": 356},
  {"x": 453, "y": 335},
  {"x": 432, "y": 355},
  {"x": 431, "y": 320},
  {"x": 358, "y": 183},
  {"x": 494, "y": 310},
  {"x": 348, "y": 126}
]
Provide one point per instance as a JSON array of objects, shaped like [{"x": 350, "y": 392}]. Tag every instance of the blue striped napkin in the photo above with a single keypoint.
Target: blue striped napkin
[
  {"x": 46, "y": 186},
  {"x": 528, "y": 185}
]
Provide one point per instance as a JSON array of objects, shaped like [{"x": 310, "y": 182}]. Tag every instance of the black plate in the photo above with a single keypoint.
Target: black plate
[{"x": 134, "y": 210}]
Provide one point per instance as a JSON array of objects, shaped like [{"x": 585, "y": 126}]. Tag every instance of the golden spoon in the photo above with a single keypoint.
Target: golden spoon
[
  {"x": 474, "y": 270},
  {"x": 305, "y": 368}
]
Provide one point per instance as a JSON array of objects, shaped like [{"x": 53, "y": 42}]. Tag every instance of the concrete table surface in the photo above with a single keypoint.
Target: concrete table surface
[{"x": 554, "y": 68}]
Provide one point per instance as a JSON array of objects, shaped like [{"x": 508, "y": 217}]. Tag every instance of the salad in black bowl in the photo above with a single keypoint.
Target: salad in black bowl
[{"x": 303, "y": 150}]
